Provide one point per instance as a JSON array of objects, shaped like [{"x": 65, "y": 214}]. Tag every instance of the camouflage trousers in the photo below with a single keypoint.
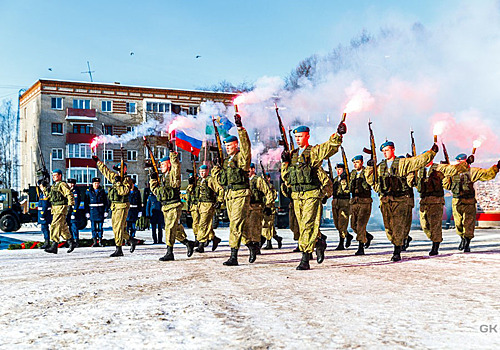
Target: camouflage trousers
[
  {"x": 173, "y": 228},
  {"x": 268, "y": 229},
  {"x": 395, "y": 215},
  {"x": 340, "y": 213},
  {"x": 206, "y": 211},
  {"x": 308, "y": 212},
  {"x": 253, "y": 224},
  {"x": 360, "y": 215},
  {"x": 59, "y": 226},
  {"x": 119, "y": 212},
  {"x": 431, "y": 220},
  {"x": 196, "y": 219},
  {"x": 238, "y": 211},
  {"x": 292, "y": 222},
  {"x": 464, "y": 214},
  {"x": 409, "y": 216}
]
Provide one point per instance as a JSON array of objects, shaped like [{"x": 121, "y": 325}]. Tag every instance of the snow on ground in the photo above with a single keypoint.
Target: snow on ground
[{"x": 87, "y": 300}]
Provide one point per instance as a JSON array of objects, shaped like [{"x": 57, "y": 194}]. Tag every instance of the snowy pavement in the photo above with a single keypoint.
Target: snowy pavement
[{"x": 87, "y": 300}]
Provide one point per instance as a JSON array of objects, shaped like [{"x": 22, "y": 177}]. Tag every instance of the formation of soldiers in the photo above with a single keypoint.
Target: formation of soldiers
[{"x": 250, "y": 199}]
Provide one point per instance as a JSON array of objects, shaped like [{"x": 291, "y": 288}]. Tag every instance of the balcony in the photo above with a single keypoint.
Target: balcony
[
  {"x": 79, "y": 138},
  {"x": 81, "y": 114},
  {"x": 80, "y": 163}
]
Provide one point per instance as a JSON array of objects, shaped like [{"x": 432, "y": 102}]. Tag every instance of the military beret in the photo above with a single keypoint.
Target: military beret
[
  {"x": 203, "y": 167},
  {"x": 358, "y": 157},
  {"x": 461, "y": 156},
  {"x": 252, "y": 165},
  {"x": 164, "y": 159},
  {"x": 230, "y": 138},
  {"x": 71, "y": 181},
  {"x": 267, "y": 174},
  {"x": 385, "y": 144},
  {"x": 96, "y": 179},
  {"x": 301, "y": 128},
  {"x": 57, "y": 171},
  {"x": 340, "y": 165}
]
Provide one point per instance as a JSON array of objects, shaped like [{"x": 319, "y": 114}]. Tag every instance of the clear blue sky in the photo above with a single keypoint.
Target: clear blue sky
[{"x": 237, "y": 40}]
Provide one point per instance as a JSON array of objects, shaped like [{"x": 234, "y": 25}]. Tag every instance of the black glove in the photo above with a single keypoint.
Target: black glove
[
  {"x": 217, "y": 205},
  {"x": 341, "y": 129},
  {"x": 191, "y": 180},
  {"x": 237, "y": 120},
  {"x": 118, "y": 178},
  {"x": 216, "y": 161},
  {"x": 370, "y": 162},
  {"x": 154, "y": 175},
  {"x": 268, "y": 211},
  {"x": 170, "y": 146},
  {"x": 498, "y": 164},
  {"x": 325, "y": 199},
  {"x": 435, "y": 148},
  {"x": 470, "y": 159},
  {"x": 285, "y": 157},
  {"x": 95, "y": 158},
  {"x": 343, "y": 176}
]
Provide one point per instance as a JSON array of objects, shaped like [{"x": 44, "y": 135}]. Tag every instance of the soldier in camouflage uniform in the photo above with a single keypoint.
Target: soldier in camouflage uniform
[
  {"x": 429, "y": 183},
  {"x": 118, "y": 195},
  {"x": 192, "y": 204},
  {"x": 464, "y": 198},
  {"x": 60, "y": 197},
  {"x": 410, "y": 197},
  {"x": 292, "y": 218},
  {"x": 208, "y": 194},
  {"x": 340, "y": 206},
  {"x": 301, "y": 169},
  {"x": 361, "y": 204},
  {"x": 268, "y": 229},
  {"x": 167, "y": 189},
  {"x": 392, "y": 173}
]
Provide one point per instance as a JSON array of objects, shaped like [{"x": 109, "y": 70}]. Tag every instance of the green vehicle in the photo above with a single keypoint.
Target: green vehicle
[{"x": 12, "y": 215}]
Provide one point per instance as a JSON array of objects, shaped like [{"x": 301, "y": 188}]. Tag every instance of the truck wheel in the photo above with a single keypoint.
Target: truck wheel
[{"x": 8, "y": 223}]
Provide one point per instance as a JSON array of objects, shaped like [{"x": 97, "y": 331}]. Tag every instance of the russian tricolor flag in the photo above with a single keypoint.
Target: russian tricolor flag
[{"x": 188, "y": 143}]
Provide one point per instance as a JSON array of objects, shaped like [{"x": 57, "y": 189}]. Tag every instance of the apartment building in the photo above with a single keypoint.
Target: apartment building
[{"x": 62, "y": 117}]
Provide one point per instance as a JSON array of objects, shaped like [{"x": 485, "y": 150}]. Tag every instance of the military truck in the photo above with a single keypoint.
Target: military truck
[{"x": 12, "y": 215}]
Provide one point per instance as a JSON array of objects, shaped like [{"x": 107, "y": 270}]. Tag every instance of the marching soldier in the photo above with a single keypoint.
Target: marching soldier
[
  {"x": 72, "y": 217},
  {"x": 301, "y": 169},
  {"x": 464, "y": 199},
  {"x": 192, "y": 204},
  {"x": 361, "y": 205},
  {"x": 292, "y": 218},
  {"x": 340, "y": 206},
  {"x": 119, "y": 197},
  {"x": 44, "y": 218},
  {"x": 429, "y": 183},
  {"x": 135, "y": 211},
  {"x": 96, "y": 208},
  {"x": 234, "y": 178},
  {"x": 268, "y": 229},
  {"x": 167, "y": 189},
  {"x": 392, "y": 174},
  {"x": 60, "y": 197},
  {"x": 208, "y": 195}
]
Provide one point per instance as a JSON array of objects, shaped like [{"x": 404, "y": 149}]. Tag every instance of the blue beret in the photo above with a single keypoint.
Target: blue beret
[
  {"x": 203, "y": 167},
  {"x": 385, "y": 144},
  {"x": 461, "y": 156},
  {"x": 358, "y": 157},
  {"x": 252, "y": 165},
  {"x": 230, "y": 139},
  {"x": 340, "y": 165},
  {"x": 301, "y": 128},
  {"x": 267, "y": 174},
  {"x": 118, "y": 165},
  {"x": 164, "y": 159},
  {"x": 58, "y": 171},
  {"x": 424, "y": 152},
  {"x": 400, "y": 157}
]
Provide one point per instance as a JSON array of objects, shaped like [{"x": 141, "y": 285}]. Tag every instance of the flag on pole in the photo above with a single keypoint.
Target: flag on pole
[{"x": 187, "y": 142}]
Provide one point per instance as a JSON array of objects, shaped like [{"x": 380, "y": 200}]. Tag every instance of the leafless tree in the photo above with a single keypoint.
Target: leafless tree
[{"x": 8, "y": 127}]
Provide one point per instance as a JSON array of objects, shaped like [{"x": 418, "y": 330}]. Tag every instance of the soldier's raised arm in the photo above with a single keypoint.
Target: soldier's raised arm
[
  {"x": 479, "y": 174},
  {"x": 174, "y": 175},
  {"x": 452, "y": 169},
  {"x": 245, "y": 149},
  {"x": 108, "y": 173},
  {"x": 407, "y": 165},
  {"x": 325, "y": 150}
]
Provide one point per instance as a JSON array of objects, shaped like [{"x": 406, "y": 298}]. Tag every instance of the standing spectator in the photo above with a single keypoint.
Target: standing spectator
[
  {"x": 155, "y": 215},
  {"x": 135, "y": 211},
  {"x": 72, "y": 217},
  {"x": 44, "y": 218},
  {"x": 96, "y": 209}
]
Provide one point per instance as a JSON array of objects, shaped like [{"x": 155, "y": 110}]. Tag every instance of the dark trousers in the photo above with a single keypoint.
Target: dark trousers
[
  {"x": 46, "y": 232},
  {"x": 97, "y": 230},
  {"x": 157, "y": 238},
  {"x": 73, "y": 229},
  {"x": 131, "y": 228}
]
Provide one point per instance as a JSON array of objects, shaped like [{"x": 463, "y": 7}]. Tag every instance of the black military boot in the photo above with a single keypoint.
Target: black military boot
[
  {"x": 435, "y": 249},
  {"x": 72, "y": 245},
  {"x": 118, "y": 252},
  {"x": 348, "y": 240},
  {"x": 253, "y": 247},
  {"x": 320, "y": 250},
  {"x": 45, "y": 245},
  {"x": 369, "y": 238},
  {"x": 269, "y": 245},
  {"x": 52, "y": 248},
  {"x": 467, "y": 245},
  {"x": 462, "y": 244},
  {"x": 169, "y": 256},
  {"x": 296, "y": 250},
  {"x": 279, "y": 240},
  {"x": 201, "y": 247},
  {"x": 262, "y": 240},
  {"x": 304, "y": 262},
  {"x": 361, "y": 249},
  {"x": 406, "y": 243},
  {"x": 132, "y": 242},
  {"x": 233, "y": 260},
  {"x": 94, "y": 242},
  {"x": 190, "y": 246},
  {"x": 397, "y": 253},
  {"x": 341, "y": 244},
  {"x": 216, "y": 242},
  {"x": 207, "y": 243}
]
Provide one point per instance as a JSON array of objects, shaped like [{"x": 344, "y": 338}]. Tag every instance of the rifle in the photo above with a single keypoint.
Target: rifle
[
  {"x": 219, "y": 143},
  {"x": 413, "y": 147},
  {"x": 284, "y": 139},
  {"x": 373, "y": 152},
  {"x": 263, "y": 169},
  {"x": 346, "y": 165},
  {"x": 330, "y": 169},
  {"x": 42, "y": 173},
  {"x": 151, "y": 155},
  {"x": 292, "y": 146},
  {"x": 122, "y": 163},
  {"x": 195, "y": 173},
  {"x": 446, "y": 156}
]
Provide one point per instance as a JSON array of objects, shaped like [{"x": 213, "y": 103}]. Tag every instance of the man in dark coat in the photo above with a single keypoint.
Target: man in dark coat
[
  {"x": 96, "y": 209},
  {"x": 155, "y": 215},
  {"x": 135, "y": 211}
]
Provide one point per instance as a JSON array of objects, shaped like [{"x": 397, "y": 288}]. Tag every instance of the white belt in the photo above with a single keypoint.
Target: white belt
[
  {"x": 133, "y": 206},
  {"x": 97, "y": 205},
  {"x": 40, "y": 208}
]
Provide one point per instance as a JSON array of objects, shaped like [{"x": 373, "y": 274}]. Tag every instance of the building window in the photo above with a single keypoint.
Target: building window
[
  {"x": 158, "y": 107},
  {"x": 132, "y": 156},
  {"x": 56, "y": 103},
  {"x": 108, "y": 129},
  {"x": 107, "y": 106},
  {"x": 82, "y": 175},
  {"x": 57, "y": 128},
  {"x": 193, "y": 110},
  {"x": 108, "y": 155},
  {"x": 57, "y": 154},
  {"x": 81, "y": 104},
  {"x": 82, "y": 128},
  {"x": 162, "y": 152},
  {"x": 79, "y": 150},
  {"x": 131, "y": 108},
  {"x": 129, "y": 129}
]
